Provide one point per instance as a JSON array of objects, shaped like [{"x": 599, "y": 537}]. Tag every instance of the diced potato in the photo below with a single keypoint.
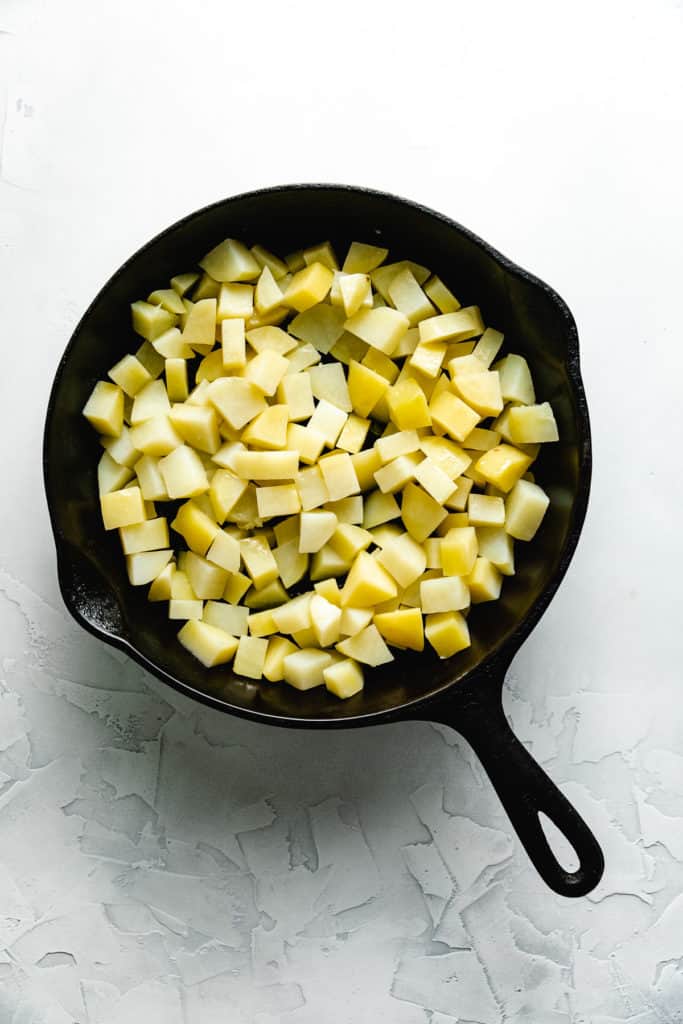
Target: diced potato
[
  {"x": 503, "y": 466},
  {"x": 458, "y": 499},
  {"x": 122, "y": 508},
  {"x": 270, "y": 339},
  {"x": 269, "y": 429},
  {"x": 265, "y": 371},
  {"x": 379, "y": 508},
  {"x": 279, "y": 647},
  {"x": 321, "y": 326},
  {"x": 160, "y": 588},
  {"x": 362, "y": 258},
  {"x": 481, "y": 391},
  {"x": 156, "y": 436},
  {"x": 368, "y": 583},
  {"x": 448, "y": 456},
  {"x": 265, "y": 599},
  {"x": 407, "y": 296},
  {"x": 383, "y": 276},
  {"x": 235, "y": 300},
  {"x": 452, "y": 414},
  {"x": 532, "y": 424},
  {"x": 444, "y": 299},
  {"x": 230, "y": 261},
  {"x": 151, "y": 401},
  {"x": 481, "y": 440},
  {"x": 308, "y": 287},
  {"x": 236, "y": 587},
  {"x": 130, "y": 375},
  {"x": 516, "y": 384},
  {"x": 279, "y": 500},
  {"x": 197, "y": 425},
  {"x": 381, "y": 328},
  {"x": 302, "y": 357},
  {"x": 104, "y": 409},
  {"x": 488, "y": 346},
  {"x": 377, "y": 361},
  {"x": 368, "y": 647},
  {"x": 258, "y": 560},
  {"x": 403, "y": 442},
  {"x": 304, "y": 669},
  {"x": 347, "y": 510},
  {"x": 206, "y": 579},
  {"x": 459, "y": 549},
  {"x": 250, "y": 657},
  {"x": 396, "y": 474},
  {"x": 312, "y": 488},
  {"x": 347, "y": 540},
  {"x": 435, "y": 481},
  {"x": 420, "y": 513},
  {"x": 150, "y": 359},
  {"x": 150, "y": 321},
  {"x": 366, "y": 463},
  {"x": 402, "y": 628},
  {"x": 185, "y": 608},
  {"x": 408, "y": 343},
  {"x": 408, "y": 405},
  {"x": 307, "y": 442},
  {"x": 168, "y": 299},
  {"x": 224, "y": 552},
  {"x": 225, "y": 490},
  {"x": 232, "y": 619},
  {"x": 347, "y": 348},
  {"x": 525, "y": 507},
  {"x": 353, "y": 620},
  {"x": 207, "y": 288},
  {"x": 354, "y": 290},
  {"x": 484, "y": 581},
  {"x": 448, "y": 594},
  {"x": 200, "y": 326},
  {"x": 404, "y": 558},
  {"x": 365, "y": 388},
  {"x": 121, "y": 448},
  {"x": 329, "y": 383},
  {"x": 145, "y": 566},
  {"x": 176, "y": 380},
  {"x": 315, "y": 530},
  {"x": 352, "y": 437},
  {"x": 432, "y": 550},
  {"x": 182, "y": 283},
  {"x": 196, "y": 528},
  {"x": 485, "y": 510},
  {"x": 295, "y": 615},
  {"x": 282, "y": 465},
  {"x": 111, "y": 476},
  {"x": 447, "y": 632},
  {"x": 428, "y": 358},
  {"x": 459, "y": 326},
  {"x": 295, "y": 392},
  {"x": 325, "y": 621},
  {"x": 328, "y": 420},
  {"x": 150, "y": 535},
  {"x": 292, "y": 565},
  {"x": 209, "y": 644},
  {"x": 183, "y": 473},
  {"x": 497, "y": 545},
  {"x": 265, "y": 258},
  {"x": 343, "y": 678},
  {"x": 170, "y": 345},
  {"x": 339, "y": 476},
  {"x": 237, "y": 400}
]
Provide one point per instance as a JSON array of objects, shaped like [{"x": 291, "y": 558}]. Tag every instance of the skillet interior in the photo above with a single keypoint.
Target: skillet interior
[{"x": 536, "y": 324}]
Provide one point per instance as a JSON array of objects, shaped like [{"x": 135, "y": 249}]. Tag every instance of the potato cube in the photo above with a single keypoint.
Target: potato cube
[
  {"x": 488, "y": 346},
  {"x": 366, "y": 463},
  {"x": 207, "y": 288},
  {"x": 404, "y": 558},
  {"x": 160, "y": 588},
  {"x": 302, "y": 358},
  {"x": 130, "y": 375},
  {"x": 516, "y": 384},
  {"x": 292, "y": 565},
  {"x": 197, "y": 425},
  {"x": 308, "y": 287},
  {"x": 427, "y": 359},
  {"x": 269, "y": 429},
  {"x": 267, "y": 295},
  {"x": 295, "y": 392},
  {"x": 408, "y": 405},
  {"x": 237, "y": 400},
  {"x": 402, "y": 628},
  {"x": 315, "y": 530},
  {"x": 156, "y": 436},
  {"x": 104, "y": 409},
  {"x": 151, "y": 401},
  {"x": 452, "y": 414},
  {"x": 403, "y": 442},
  {"x": 279, "y": 647},
  {"x": 250, "y": 657},
  {"x": 224, "y": 552},
  {"x": 329, "y": 383},
  {"x": 452, "y": 520},
  {"x": 459, "y": 326},
  {"x": 233, "y": 345},
  {"x": 168, "y": 299},
  {"x": 328, "y": 420},
  {"x": 368, "y": 583},
  {"x": 206, "y": 579},
  {"x": 381, "y": 328},
  {"x": 379, "y": 508},
  {"x": 339, "y": 476},
  {"x": 484, "y": 581},
  {"x": 325, "y": 621},
  {"x": 183, "y": 473},
  {"x": 485, "y": 510},
  {"x": 261, "y": 623},
  {"x": 121, "y": 448},
  {"x": 200, "y": 396},
  {"x": 497, "y": 545},
  {"x": 304, "y": 669},
  {"x": 368, "y": 647},
  {"x": 352, "y": 437},
  {"x": 385, "y": 533},
  {"x": 435, "y": 481},
  {"x": 320, "y": 326},
  {"x": 458, "y": 499},
  {"x": 185, "y": 608},
  {"x": 145, "y": 566},
  {"x": 110, "y": 475},
  {"x": 176, "y": 379},
  {"x": 383, "y": 276},
  {"x": 347, "y": 540},
  {"x": 407, "y": 296},
  {"x": 265, "y": 258},
  {"x": 347, "y": 510},
  {"x": 225, "y": 490},
  {"x": 407, "y": 344},
  {"x": 308, "y": 443},
  {"x": 200, "y": 326},
  {"x": 365, "y": 388},
  {"x": 231, "y": 618},
  {"x": 312, "y": 488},
  {"x": 503, "y": 466},
  {"x": 459, "y": 549},
  {"x": 381, "y": 364},
  {"x": 525, "y": 507},
  {"x": 532, "y": 424},
  {"x": 481, "y": 439},
  {"x": 266, "y": 370},
  {"x": 354, "y": 290},
  {"x": 362, "y": 258},
  {"x": 432, "y": 550},
  {"x": 282, "y": 465},
  {"x": 343, "y": 678},
  {"x": 236, "y": 587},
  {"x": 150, "y": 359},
  {"x": 182, "y": 283},
  {"x": 150, "y": 535},
  {"x": 448, "y": 456},
  {"x": 481, "y": 391},
  {"x": 348, "y": 348},
  {"x": 280, "y": 500},
  {"x": 448, "y": 594},
  {"x": 444, "y": 299},
  {"x": 354, "y": 619},
  {"x": 170, "y": 345},
  {"x": 150, "y": 321},
  {"x": 209, "y": 644},
  {"x": 295, "y": 615},
  {"x": 447, "y": 632},
  {"x": 195, "y": 527},
  {"x": 258, "y": 560},
  {"x": 420, "y": 513},
  {"x": 122, "y": 508},
  {"x": 230, "y": 261},
  {"x": 396, "y": 474},
  {"x": 235, "y": 300}
]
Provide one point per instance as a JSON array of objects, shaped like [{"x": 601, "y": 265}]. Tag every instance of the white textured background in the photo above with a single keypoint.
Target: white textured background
[{"x": 161, "y": 864}]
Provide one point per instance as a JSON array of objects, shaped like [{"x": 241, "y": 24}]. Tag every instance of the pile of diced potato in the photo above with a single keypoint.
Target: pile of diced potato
[{"x": 344, "y": 433}]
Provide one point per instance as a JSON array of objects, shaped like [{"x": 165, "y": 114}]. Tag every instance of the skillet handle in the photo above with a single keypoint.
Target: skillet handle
[
  {"x": 87, "y": 594},
  {"x": 525, "y": 790}
]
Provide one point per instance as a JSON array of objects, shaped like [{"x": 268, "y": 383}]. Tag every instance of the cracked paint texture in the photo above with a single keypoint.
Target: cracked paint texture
[{"x": 163, "y": 864}]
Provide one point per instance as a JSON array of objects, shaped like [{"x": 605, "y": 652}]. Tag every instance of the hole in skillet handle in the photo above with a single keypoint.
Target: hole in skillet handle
[{"x": 524, "y": 789}]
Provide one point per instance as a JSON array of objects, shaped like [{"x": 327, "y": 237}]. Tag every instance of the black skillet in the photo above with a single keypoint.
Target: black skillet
[{"x": 463, "y": 692}]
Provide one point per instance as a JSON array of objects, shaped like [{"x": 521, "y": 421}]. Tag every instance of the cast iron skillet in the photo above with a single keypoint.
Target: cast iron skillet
[{"x": 463, "y": 692}]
